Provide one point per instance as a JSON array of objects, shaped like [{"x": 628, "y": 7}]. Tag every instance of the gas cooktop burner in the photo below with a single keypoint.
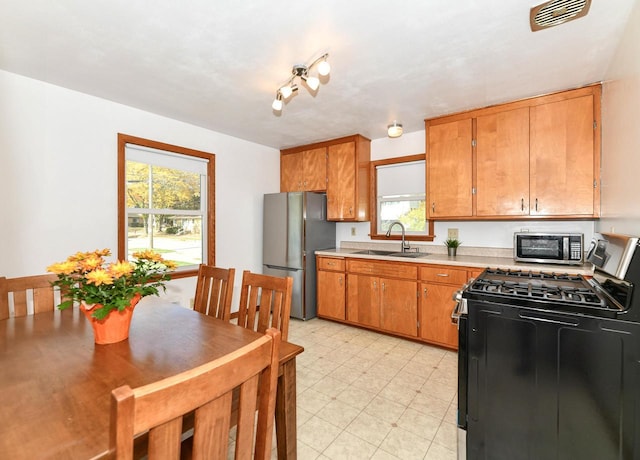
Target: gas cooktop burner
[
  {"x": 556, "y": 293},
  {"x": 532, "y": 275}
]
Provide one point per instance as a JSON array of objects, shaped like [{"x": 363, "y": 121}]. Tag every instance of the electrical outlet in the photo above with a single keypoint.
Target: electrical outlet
[
  {"x": 353, "y": 231},
  {"x": 452, "y": 233}
]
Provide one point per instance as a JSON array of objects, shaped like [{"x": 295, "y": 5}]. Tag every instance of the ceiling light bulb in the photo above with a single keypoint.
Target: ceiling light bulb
[
  {"x": 394, "y": 129},
  {"x": 324, "y": 68},
  {"x": 286, "y": 91},
  {"x": 277, "y": 105},
  {"x": 313, "y": 82}
]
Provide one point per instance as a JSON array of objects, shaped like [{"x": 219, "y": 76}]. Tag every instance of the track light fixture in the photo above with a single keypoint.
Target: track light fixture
[{"x": 300, "y": 71}]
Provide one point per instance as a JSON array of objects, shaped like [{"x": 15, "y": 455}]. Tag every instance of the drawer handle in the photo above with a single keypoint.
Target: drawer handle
[
  {"x": 442, "y": 274},
  {"x": 331, "y": 263}
]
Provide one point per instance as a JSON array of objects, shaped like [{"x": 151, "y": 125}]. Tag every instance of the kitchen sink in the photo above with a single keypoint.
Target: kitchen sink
[
  {"x": 375, "y": 252},
  {"x": 411, "y": 255}
]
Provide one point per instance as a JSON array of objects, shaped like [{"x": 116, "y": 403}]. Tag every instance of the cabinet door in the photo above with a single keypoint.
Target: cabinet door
[
  {"x": 314, "y": 166},
  {"x": 341, "y": 181},
  {"x": 436, "y": 305},
  {"x": 331, "y": 294},
  {"x": 363, "y": 299},
  {"x": 291, "y": 172},
  {"x": 562, "y": 158},
  {"x": 502, "y": 164},
  {"x": 399, "y": 306},
  {"x": 449, "y": 169}
]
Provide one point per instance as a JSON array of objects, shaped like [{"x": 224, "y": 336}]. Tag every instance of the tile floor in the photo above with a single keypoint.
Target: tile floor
[{"x": 364, "y": 395}]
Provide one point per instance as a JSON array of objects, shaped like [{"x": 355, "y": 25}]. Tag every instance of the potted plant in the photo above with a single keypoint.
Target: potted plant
[
  {"x": 108, "y": 292},
  {"x": 452, "y": 246}
]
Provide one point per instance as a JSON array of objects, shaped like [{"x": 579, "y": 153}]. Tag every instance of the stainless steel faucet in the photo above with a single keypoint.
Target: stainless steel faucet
[{"x": 405, "y": 244}]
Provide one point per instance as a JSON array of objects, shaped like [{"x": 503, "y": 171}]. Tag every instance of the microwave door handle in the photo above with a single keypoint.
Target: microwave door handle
[{"x": 565, "y": 248}]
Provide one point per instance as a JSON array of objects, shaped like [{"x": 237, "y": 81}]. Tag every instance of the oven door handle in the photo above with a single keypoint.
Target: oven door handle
[
  {"x": 548, "y": 319},
  {"x": 456, "y": 313}
]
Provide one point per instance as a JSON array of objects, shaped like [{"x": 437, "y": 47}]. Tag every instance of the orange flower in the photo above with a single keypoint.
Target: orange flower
[
  {"x": 62, "y": 268},
  {"x": 148, "y": 255},
  {"x": 98, "y": 277},
  {"x": 92, "y": 262},
  {"x": 170, "y": 264},
  {"x": 120, "y": 268}
]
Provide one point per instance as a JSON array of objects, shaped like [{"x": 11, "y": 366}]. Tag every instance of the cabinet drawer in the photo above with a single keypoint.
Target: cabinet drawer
[
  {"x": 391, "y": 270},
  {"x": 330, "y": 263},
  {"x": 443, "y": 275}
]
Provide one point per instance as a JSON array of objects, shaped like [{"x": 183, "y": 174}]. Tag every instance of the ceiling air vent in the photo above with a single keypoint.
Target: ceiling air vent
[{"x": 556, "y": 12}]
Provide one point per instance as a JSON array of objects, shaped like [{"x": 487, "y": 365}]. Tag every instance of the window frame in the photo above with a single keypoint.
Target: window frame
[
  {"x": 373, "y": 204},
  {"x": 123, "y": 140}
]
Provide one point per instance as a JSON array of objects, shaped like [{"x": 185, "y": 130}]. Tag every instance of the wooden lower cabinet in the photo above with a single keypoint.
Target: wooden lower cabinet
[
  {"x": 363, "y": 300},
  {"x": 399, "y": 306},
  {"x": 384, "y": 303},
  {"x": 436, "y": 305},
  {"x": 331, "y": 288},
  {"x": 405, "y": 299},
  {"x": 331, "y": 295}
]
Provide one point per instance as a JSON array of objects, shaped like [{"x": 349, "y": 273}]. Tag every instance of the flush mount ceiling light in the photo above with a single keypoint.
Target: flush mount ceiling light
[
  {"x": 302, "y": 72},
  {"x": 394, "y": 129},
  {"x": 557, "y": 12}
]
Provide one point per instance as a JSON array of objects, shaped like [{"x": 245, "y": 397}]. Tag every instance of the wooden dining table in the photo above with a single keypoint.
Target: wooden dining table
[{"x": 56, "y": 383}]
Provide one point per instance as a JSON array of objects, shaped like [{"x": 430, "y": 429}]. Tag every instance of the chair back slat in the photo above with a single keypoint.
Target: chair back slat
[
  {"x": 27, "y": 295},
  {"x": 208, "y": 390},
  {"x": 265, "y": 301},
  {"x": 214, "y": 291}
]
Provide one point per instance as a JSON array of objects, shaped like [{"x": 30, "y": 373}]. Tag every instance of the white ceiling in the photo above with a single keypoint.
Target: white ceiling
[{"x": 217, "y": 64}]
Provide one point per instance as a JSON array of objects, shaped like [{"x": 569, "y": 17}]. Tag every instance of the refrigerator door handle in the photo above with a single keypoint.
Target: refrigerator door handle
[{"x": 277, "y": 267}]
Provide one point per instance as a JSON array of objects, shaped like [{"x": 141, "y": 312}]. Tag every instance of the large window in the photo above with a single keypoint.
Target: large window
[
  {"x": 399, "y": 185},
  {"x": 165, "y": 201}
]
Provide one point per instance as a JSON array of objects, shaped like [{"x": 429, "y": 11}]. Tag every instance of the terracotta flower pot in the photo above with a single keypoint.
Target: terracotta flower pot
[{"x": 115, "y": 327}]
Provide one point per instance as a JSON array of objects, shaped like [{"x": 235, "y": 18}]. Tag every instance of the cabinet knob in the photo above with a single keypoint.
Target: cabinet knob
[
  {"x": 375, "y": 284},
  {"x": 425, "y": 292}
]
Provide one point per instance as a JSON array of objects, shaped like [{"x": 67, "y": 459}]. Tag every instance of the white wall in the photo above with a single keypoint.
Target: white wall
[
  {"x": 491, "y": 234},
  {"x": 620, "y": 135},
  {"x": 58, "y": 178}
]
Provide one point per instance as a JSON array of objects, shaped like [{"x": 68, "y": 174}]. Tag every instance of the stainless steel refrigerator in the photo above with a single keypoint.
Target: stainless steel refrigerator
[{"x": 295, "y": 226}]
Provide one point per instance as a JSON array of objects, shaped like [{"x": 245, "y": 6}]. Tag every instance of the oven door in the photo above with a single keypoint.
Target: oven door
[{"x": 462, "y": 320}]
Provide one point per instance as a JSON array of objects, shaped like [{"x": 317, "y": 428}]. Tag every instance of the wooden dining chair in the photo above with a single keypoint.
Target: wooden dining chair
[
  {"x": 214, "y": 291},
  {"x": 207, "y": 389},
  {"x": 265, "y": 301},
  {"x": 27, "y": 295}
]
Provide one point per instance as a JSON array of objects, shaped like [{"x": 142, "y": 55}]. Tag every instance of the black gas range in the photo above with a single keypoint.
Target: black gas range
[{"x": 548, "y": 362}]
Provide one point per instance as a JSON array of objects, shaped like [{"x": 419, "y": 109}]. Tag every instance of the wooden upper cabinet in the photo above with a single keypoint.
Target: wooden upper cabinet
[
  {"x": 348, "y": 180},
  {"x": 502, "y": 163},
  {"x": 534, "y": 158},
  {"x": 339, "y": 167},
  {"x": 562, "y": 158},
  {"x": 449, "y": 169},
  {"x": 304, "y": 171},
  {"x": 291, "y": 173}
]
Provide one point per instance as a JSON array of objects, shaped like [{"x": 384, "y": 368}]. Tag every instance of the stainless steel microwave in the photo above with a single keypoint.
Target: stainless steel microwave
[{"x": 549, "y": 248}]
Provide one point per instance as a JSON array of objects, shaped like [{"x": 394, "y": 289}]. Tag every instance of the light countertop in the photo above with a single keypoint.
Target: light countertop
[{"x": 473, "y": 261}]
